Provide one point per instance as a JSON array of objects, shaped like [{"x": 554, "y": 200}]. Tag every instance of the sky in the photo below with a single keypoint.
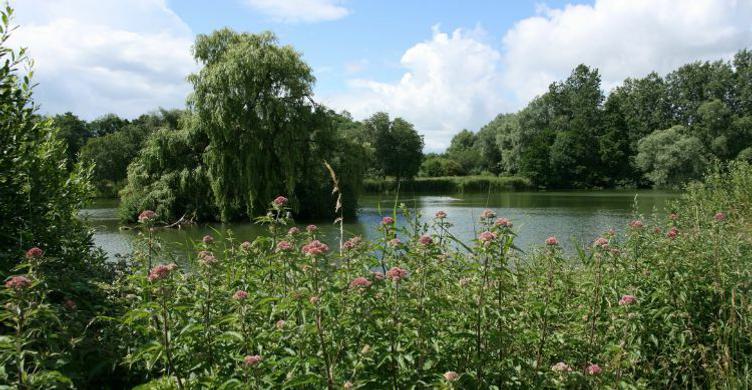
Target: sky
[{"x": 442, "y": 65}]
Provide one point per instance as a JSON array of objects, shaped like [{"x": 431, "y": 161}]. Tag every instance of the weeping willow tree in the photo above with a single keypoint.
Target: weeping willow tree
[{"x": 253, "y": 132}]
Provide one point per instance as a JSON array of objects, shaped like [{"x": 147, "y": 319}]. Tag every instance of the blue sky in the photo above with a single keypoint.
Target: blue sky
[{"x": 443, "y": 65}]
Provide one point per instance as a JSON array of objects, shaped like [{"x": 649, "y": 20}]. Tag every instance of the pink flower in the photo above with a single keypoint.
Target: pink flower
[
  {"x": 18, "y": 282},
  {"x": 487, "y": 236},
  {"x": 395, "y": 242},
  {"x": 720, "y": 217},
  {"x": 627, "y": 300},
  {"x": 315, "y": 248},
  {"x": 70, "y": 304},
  {"x": 360, "y": 282},
  {"x": 451, "y": 376},
  {"x": 425, "y": 240},
  {"x": 240, "y": 295},
  {"x": 673, "y": 216},
  {"x": 284, "y": 246},
  {"x": 208, "y": 239},
  {"x": 396, "y": 274},
  {"x": 352, "y": 243},
  {"x": 441, "y": 214},
  {"x": 552, "y": 241},
  {"x": 280, "y": 324},
  {"x": 657, "y": 230},
  {"x": 311, "y": 228},
  {"x": 34, "y": 253},
  {"x": 252, "y": 360},
  {"x": 246, "y": 246},
  {"x": 503, "y": 222},
  {"x": 600, "y": 242},
  {"x": 280, "y": 201},
  {"x": 161, "y": 271},
  {"x": 561, "y": 367},
  {"x": 487, "y": 214},
  {"x": 672, "y": 233},
  {"x": 146, "y": 216},
  {"x": 378, "y": 275},
  {"x": 387, "y": 221},
  {"x": 293, "y": 231},
  {"x": 206, "y": 258},
  {"x": 636, "y": 224},
  {"x": 593, "y": 369}
]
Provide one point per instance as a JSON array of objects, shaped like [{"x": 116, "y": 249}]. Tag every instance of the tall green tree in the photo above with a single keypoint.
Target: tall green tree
[
  {"x": 672, "y": 157},
  {"x": 398, "y": 146},
  {"x": 74, "y": 132}
]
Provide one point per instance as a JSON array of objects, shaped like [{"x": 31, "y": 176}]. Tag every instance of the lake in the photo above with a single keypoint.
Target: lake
[{"x": 568, "y": 215}]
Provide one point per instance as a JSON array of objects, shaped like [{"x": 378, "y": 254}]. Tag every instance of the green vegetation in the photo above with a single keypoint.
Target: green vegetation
[{"x": 449, "y": 184}]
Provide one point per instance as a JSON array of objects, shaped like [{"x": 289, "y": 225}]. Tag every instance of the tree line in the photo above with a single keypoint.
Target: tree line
[{"x": 659, "y": 131}]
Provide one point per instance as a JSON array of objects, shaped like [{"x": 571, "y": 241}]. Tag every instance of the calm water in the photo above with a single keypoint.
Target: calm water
[{"x": 570, "y": 215}]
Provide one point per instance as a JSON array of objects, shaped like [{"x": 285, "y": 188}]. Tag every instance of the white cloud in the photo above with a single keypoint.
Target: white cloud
[
  {"x": 451, "y": 81},
  {"x": 622, "y": 38},
  {"x": 94, "y": 57},
  {"x": 295, "y": 11}
]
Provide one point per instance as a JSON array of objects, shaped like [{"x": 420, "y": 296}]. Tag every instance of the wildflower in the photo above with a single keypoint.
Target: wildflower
[
  {"x": 206, "y": 258},
  {"x": 70, "y": 304},
  {"x": 611, "y": 232},
  {"x": 486, "y": 237},
  {"x": 280, "y": 324},
  {"x": 352, "y": 243},
  {"x": 146, "y": 216},
  {"x": 161, "y": 271},
  {"x": 503, "y": 222},
  {"x": 636, "y": 224},
  {"x": 284, "y": 246},
  {"x": 315, "y": 248},
  {"x": 378, "y": 275},
  {"x": 34, "y": 253},
  {"x": 657, "y": 230},
  {"x": 441, "y": 214},
  {"x": 425, "y": 240},
  {"x": 347, "y": 386},
  {"x": 561, "y": 367},
  {"x": 246, "y": 246},
  {"x": 552, "y": 241},
  {"x": 673, "y": 216},
  {"x": 396, "y": 273},
  {"x": 627, "y": 300},
  {"x": 360, "y": 282},
  {"x": 672, "y": 233},
  {"x": 600, "y": 242},
  {"x": 252, "y": 360},
  {"x": 208, "y": 239},
  {"x": 293, "y": 231},
  {"x": 387, "y": 221},
  {"x": 280, "y": 201},
  {"x": 487, "y": 214},
  {"x": 593, "y": 369},
  {"x": 240, "y": 295},
  {"x": 314, "y": 300},
  {"x": 395, "y": 242},
  {"x": 451, "y": 376},
  {"x": 719, "y": 216},
  {"x": 18, "y": 282}
]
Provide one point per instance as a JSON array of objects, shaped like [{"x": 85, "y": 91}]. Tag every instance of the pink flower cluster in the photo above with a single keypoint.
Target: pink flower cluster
[
  {"x": 552, "y": 241},
  {"x": 486, "y": 237},
  {"x": 503, "y": 222},
  {"x": 34, "y": 252},
  {"x": 246, "y": 246},
  {"x": 146, "y": 216},
  {"x": 395, "y": 242},
  {"x": 293, "y": 231},
  {"x": 451, "y": 376},
  {"x": 284, "y": 246},
  {"x": 360, "y": 282},
  {"x": 441, "y": 214},
  {"x": 387, "y": 221},
  {"x": 720, "y": 217},
  {"x": 425, "y": 240},
  {"x": 161, "y": 271},
  {"x": 636, "y": 224},
  {"x": 672, "y": 233},
  {"x": 593, "y": 369},
  {"x": 600, "y": 242},
  {"x": 17, "y": 282},
  {"x": 561, "y": 367},
  {"x": 240, "y": 295},
  {"x": 311, "y": 228},
  {"x": 252, "y": 360},
  {"x": 487, "y": 214},
  {"x": 352, "y": 243},
  {"x": 207, "y": 258},
  {"x": 627, "y": 300},
  {"x": 315, "y": 248},
  {"x": 280, "y": 201},
  {"x": 396, "y": 274},
  {"x": 208, "y": 239}
]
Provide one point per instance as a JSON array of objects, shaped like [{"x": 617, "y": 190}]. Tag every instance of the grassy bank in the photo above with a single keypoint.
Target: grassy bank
[{"x": 449, "y": 184}]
